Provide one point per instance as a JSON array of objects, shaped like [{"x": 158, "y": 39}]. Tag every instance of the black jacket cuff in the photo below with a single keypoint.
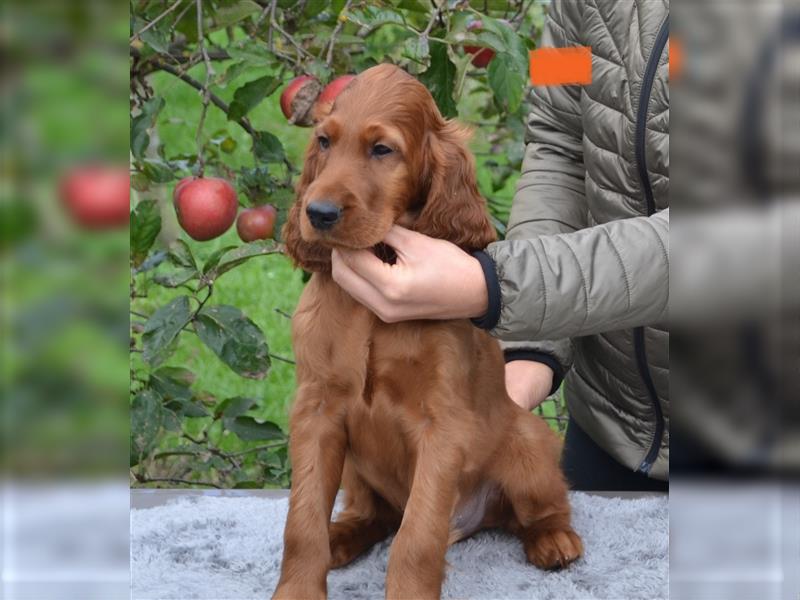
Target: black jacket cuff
[
  {"x": 492, "y": 316},
  {"x": 542, "y": 357}
]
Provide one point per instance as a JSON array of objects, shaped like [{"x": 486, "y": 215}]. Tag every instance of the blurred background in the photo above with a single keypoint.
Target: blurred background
[
  {"x": 96, "y": 99},
  {"x": 735, "y": 300},
  {"x": 64, "y": 281}
]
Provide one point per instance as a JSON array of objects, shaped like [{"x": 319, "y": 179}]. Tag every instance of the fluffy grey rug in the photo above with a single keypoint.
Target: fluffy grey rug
[{"x": 230, "y": 548}]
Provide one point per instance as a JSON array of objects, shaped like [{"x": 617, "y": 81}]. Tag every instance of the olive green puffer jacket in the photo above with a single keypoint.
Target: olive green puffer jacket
[{"x": 583, "y": 277}]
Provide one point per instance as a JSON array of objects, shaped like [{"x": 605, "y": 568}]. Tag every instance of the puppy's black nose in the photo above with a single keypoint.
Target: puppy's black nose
[{"x": 323, "y": 214}]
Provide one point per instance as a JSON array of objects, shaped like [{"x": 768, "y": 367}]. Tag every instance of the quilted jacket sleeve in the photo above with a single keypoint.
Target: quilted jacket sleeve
[
  {"x": 604, "y": 278},
  {"x": 550, "y": 192}
]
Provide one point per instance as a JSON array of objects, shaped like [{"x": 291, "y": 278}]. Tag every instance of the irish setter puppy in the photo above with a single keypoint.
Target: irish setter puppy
[{"x": 412, "y": 419}]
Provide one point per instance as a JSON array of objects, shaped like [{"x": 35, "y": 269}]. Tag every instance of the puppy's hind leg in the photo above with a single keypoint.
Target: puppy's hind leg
[
  {"x": 366, "y": 520},
  {"x": 529, "y": 473}
]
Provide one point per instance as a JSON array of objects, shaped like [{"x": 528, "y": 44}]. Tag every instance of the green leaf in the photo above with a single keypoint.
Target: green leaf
[
  {"x": 181, "y": 255},
  {"x": 178, "y": 374},
  {"x": 213, "y": 259},
  {"x": 225, "y": 16},
  {"x": 372, "y": 17},
  {"x": 187, "y": 25},
  {"x": 267, "y": 147},
  {"x": 152, "y": 261},
  {"x": 141, "y": 123},
  {"x": 233, "y": 407},
  {"x": 507, "y": 82},
  {"x": 282, "y": 198},
  {"x": 235, "y": 339},
  {"x": 236, "y": 69},
  {"x": 146, "y": 420},
  {"x": 494, "y": 33},
  {"x": 417, "y": 48},
  {"x": 170, "y": 421},
  {"x": 440, "y": 78},
  {"x": 250, "y": 52},
  {"x": 145, "y": 226},
  {"x": 187, "y": 408},
  {"x": 139, "y": 182},
  {"x": 157, "y": 37},
  {"x": 175, "y": 278},
  {"x": 276, "y": 464},
  {"x": 172, "y": 383},
  {"x": 319, "y": 69},
  {"x": 162, "y": 328},
  {"x": 512, "y": 43},
  {"x": 255, "y": 177},
  {"x": 247, "y": 428},
  {"x": 236, "y": 256},
  {"x": 157, "y": 171},
  {"x": 247, "y": 97},
  {"x": 169, "y": 388},
  {"x": 483, "y": 39}
]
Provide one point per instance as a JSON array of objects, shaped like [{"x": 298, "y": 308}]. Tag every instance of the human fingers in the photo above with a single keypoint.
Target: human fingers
[
  {"x": 351, "y": 281},
  {"x": 366, "y": 265}
]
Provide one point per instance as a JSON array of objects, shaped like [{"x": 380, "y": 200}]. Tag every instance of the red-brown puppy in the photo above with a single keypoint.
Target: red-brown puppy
[{"x": 412, "y": 419}]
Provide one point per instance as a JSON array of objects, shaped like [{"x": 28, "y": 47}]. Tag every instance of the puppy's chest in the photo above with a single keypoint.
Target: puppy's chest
[
  {"x": 383, "y": 374},
  {"x": 396, "y": 369},
  {"x": 382, "y": 419},
  {"x": 375, "y": 365}
]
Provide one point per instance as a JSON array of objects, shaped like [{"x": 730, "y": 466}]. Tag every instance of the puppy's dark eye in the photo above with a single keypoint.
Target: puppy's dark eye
[
  {"x": 324, "y": 142},
  {"x": 381, "y": 150}
]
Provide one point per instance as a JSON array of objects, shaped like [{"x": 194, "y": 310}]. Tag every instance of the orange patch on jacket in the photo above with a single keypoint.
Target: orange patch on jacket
[{"x": 561, "y": 66}]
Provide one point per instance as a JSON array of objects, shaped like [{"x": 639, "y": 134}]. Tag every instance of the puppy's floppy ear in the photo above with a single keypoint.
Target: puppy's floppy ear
[
  {"x": 454, "y": 210},
  {"x": 310, "y": 257}
]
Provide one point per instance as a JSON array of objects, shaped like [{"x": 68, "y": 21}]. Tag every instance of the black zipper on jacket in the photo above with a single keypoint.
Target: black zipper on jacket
[{"x": 641, "y": 163}]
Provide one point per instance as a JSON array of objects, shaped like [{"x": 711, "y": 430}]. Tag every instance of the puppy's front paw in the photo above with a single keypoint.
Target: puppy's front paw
[
  {"x": 555, "y": 549},
  {"x": 343, "y": 548}
]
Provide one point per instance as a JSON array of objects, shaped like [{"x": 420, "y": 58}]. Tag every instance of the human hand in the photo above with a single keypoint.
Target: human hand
[
  {"x": 528, "y": 382},
  {"x": 431, "y": 279}
]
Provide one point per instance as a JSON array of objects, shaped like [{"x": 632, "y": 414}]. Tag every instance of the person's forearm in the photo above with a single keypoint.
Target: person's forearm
[
  {"x": 528, "y": 383},
  {"x": 604, "y": 278}
]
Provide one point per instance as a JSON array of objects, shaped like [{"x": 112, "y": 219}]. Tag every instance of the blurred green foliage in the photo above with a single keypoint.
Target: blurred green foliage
[{"x": 63, "y": 358}]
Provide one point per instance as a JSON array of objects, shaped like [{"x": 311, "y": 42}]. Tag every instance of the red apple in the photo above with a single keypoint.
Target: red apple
[
  {"x": 257, "y": 223},
  {"x": 180, "y": 186},
  {"x": 206, "y": 207},
  {"x": 482, "y": 56},
  {"x": 298, "y": 98},
  {"x": 334, "y": 88},
  {"x": 330, "y": 93},
  {"x": 97, "y": 196}
]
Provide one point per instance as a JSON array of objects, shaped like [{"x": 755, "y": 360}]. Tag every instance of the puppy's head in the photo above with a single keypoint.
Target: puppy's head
[{"x": 384, "y": 155}]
